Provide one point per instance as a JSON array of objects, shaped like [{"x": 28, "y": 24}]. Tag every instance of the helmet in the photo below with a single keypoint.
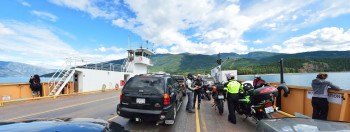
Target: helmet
[
  {"x": 230, "y": 76},
  {"x": 257, "y": 76},
  {"x": 190, "y": 76},
  {"x": 198, "y": 76}
]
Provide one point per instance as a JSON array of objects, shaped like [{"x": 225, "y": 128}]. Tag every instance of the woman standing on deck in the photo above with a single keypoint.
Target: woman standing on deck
[{"x": 319, "y": 99}]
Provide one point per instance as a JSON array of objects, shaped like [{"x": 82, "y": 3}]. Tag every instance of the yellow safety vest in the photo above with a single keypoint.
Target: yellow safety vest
[{"x": 233, "y": 87}]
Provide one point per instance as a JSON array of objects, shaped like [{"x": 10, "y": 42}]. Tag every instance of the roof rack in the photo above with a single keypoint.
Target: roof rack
[{"x": 168, "y": 74}]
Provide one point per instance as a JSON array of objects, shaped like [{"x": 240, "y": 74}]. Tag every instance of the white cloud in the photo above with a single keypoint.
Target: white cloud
[
  {"x": 119, "y": 22},
  {"x": 44, "y": 15},
  {"x": 330, "y": 38},
  {"x": 95, "y": 8},
  {"x": 207, "y": 26},
  {"x": 258, "y": 41},
  {"x": 219, "y": 27},
  {"x": 113, "y": 48},
  {"x": 25, "y": 4},
  {"x": 5, "y": 31},
  {"x": 38, "y": 45},
  {"x": 328, "y": 9},
  {"x": 162, "y": 51}
]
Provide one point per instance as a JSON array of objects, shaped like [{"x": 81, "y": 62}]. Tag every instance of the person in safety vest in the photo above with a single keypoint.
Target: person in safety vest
[
  {"x": 258, "y": 82},
  {"x": 233, "y": 88}
]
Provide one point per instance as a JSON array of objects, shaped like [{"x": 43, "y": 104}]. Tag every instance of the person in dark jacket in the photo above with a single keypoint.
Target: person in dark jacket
[
  {"x": 258, "y": 82},
  {"x": 31, "y": 86},
  {"x": 37, "y": 85},
  {"x": 319, "y": 99},
  {"x": 198, "y": 83}
]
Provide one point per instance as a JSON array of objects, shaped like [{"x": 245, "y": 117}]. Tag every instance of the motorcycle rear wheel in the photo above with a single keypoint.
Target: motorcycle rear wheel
[
  {"x": 221, "y": 106},
  {"x": 267, "y": 116}
]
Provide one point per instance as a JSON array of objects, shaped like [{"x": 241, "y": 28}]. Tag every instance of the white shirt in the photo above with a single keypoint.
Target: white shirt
[{"x": 190, "y": 86}]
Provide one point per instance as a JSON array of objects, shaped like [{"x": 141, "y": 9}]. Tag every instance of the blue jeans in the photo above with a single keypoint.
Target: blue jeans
[{"x": 189, "y": 101}]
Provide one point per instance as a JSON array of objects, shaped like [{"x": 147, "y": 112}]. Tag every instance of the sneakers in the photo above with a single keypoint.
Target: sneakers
[{"x": 199, "y": 106}]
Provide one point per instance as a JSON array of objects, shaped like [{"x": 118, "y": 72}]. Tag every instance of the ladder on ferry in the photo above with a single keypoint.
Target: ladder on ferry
[
  {"x": 125, "y": 66},
  {"x": 60, "y": 78}
]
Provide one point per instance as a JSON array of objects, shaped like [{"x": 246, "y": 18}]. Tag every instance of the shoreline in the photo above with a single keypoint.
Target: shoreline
[{"x": 294, "y": 73}]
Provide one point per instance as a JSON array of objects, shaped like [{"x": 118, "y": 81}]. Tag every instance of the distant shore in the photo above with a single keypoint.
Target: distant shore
[{"x": 293, "y": 73}]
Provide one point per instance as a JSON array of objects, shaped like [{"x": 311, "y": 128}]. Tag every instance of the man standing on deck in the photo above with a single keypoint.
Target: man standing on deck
[
  {"x": 233, "y": 88},
  {"x": 198, "y": 83},
  {"x": 190, "y": 92}
]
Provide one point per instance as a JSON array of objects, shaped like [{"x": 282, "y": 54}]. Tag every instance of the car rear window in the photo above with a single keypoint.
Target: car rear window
[{"x": 146, "y": 84}]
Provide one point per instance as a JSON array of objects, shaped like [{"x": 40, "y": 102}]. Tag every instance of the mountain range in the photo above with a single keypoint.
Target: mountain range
[
  {"x": 15, "y": 69},
  {"x": 251, "y": 63}
]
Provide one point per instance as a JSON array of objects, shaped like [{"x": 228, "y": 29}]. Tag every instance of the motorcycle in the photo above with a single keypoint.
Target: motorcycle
[
  {"x": 257, "y": 103},
  {"x": 218, "y": 96},
  {"x": 207, "y": 91}
]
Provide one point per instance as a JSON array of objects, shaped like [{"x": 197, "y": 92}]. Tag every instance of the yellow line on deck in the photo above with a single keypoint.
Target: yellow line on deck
[
  {"x": 113, "y": 117},
  {"x": 203, "y": 122},
  {"x": 38, "y": 113},
  {"x": 286, "y": 114},
  {"x": 198, "y": 129}
]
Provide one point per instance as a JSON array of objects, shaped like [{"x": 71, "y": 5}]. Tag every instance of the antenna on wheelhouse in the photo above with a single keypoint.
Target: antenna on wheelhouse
[
  {"x": 129, "y": 42},
  {"x": 152, "y": 47},
  {"x": 147, "y": 45}
]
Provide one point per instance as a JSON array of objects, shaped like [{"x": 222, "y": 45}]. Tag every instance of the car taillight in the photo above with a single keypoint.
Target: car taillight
[
  {"x": 166, "y": 99},
  {"x": 268, "y": 90}
]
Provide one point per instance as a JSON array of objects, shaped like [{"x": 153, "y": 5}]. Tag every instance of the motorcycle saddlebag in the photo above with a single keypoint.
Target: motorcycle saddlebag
[
  {"x": 264, "y": 93},
  {"x": 220, "y": 87}
]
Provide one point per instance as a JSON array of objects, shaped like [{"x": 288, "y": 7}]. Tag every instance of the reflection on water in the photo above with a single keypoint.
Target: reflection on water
[{"x": 304, "y": 79}]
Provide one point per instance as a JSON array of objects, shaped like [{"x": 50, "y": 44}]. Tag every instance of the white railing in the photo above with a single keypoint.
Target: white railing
[{"x": 52, "y": 81}]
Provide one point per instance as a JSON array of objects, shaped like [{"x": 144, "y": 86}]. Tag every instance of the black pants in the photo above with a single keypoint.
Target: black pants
[
  {"x": 197, "y": 94},
  {"x": 232, "y": 102},
  {"x": 320, "y": 108}
]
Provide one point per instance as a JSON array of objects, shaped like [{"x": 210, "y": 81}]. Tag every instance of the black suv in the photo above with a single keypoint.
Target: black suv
[
  {"x": 150, "y": 98},
  {"x": 182, "y": 82}
]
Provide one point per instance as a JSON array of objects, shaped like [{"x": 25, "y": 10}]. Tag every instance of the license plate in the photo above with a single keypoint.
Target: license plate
[
  {"x": 269, "y": 109},
  {"x": 140, "y": 101},
  {"x": 221, "y": 97}
]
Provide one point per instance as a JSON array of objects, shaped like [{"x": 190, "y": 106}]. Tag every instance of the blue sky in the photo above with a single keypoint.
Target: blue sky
[{"x": 45, "y": 32}]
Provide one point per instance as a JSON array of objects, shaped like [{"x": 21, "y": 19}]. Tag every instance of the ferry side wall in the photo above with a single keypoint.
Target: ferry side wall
[
  {"x": 298, "y": 101},
  {"x": 92, "y": 80},
  {"x": 17, "y": 91}
]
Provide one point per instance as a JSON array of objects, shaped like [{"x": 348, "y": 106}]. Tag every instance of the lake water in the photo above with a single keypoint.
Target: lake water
[
  {"x": 20, "y": 79},
  {"x": 304, "y": 79},
  {"x": 298, "y": 79}
]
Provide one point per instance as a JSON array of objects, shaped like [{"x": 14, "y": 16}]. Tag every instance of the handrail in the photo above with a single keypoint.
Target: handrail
[{"x": 53, "y": 76}]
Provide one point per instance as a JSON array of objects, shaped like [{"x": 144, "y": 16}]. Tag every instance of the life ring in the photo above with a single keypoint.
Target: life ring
[{"x": 51, "y": 83}]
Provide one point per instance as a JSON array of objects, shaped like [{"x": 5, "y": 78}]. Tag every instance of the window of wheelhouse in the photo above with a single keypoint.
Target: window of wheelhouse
[{"x": 138, "y": 53}]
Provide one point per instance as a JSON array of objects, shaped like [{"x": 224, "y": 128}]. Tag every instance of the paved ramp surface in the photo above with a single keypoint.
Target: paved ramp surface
[{"x": 103, "y": 105}]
